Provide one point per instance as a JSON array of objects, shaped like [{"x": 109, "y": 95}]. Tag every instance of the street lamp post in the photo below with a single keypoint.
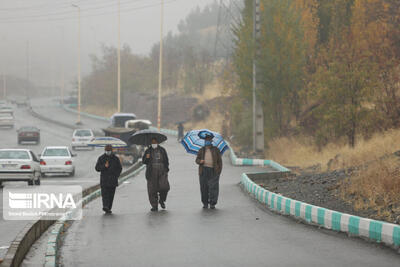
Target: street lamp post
[
  {"x": 79, "y": 64},
  {"x": 119, "y": 55},
  {"x": 4, "y": 86},
  {"x": 160, "y": 74}
]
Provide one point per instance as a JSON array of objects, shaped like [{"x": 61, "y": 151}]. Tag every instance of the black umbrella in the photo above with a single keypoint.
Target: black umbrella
[{"x": 144, "y": 137}]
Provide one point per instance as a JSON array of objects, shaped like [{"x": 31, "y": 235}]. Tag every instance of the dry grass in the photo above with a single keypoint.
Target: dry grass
[
  {"x": 100, "y": 111},
  {"x": 213, "y": 123},
  {"x": 303, "y": 153},
  {"x": 375, "y": 188}
]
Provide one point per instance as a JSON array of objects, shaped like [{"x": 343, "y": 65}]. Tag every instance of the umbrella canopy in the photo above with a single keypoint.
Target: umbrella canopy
[
  {"x": 144, "y": 137},
  {"x": 103, "y": 141},
  {"x": 194, "y": 141}
]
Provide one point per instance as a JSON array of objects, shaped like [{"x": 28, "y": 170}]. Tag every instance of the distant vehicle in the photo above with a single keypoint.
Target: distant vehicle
[
  {"x": 19, "y": 165},
  {"x": 118, "y": 119},
  {"x": 57, "y": 160},
  {"x": 6, "y": 118},
  {"x": 81, "y": 138},
  {"x": 6, "y": 108},
  {"x": 131, "y": 153},
  {"x": 138, "y": 124},
  {"x": 72, "y": 100},
  {"x": 28, "y": 134},
  {"x": 21, "y": 102}
]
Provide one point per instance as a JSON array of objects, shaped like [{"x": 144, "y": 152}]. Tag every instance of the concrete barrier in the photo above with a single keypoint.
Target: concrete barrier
[
  {"x": 59, "y": 123},
  {"x": 372, "y": 230}
]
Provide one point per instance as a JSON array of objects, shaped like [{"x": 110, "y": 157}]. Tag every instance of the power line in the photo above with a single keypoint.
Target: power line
[
  {"x": 127, "y": 10},
  {"x": 67, "y": 12}
]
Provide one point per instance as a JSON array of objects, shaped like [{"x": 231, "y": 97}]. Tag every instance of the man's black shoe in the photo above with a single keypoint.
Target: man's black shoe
[
  {"x": 106, "y": 210},
  {"x": 212, "y": 207},
  {"x": 154, "y": 209},
  {"x": 205, "y": 206},
  {"x": 162, "y": 204}
]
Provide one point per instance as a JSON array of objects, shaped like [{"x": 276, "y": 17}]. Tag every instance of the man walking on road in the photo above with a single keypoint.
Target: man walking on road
[
  {"x": 110, "y": 168},
  {"x": 157, "y": 162},
  {"x": 210, "y": 167}
]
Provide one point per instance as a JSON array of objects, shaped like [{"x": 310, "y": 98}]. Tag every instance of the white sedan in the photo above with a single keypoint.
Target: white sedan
[
  {"x": 81, "y": 138},
  {"x": 57, "y": 160},
  {"x": 19, "y": 165}
]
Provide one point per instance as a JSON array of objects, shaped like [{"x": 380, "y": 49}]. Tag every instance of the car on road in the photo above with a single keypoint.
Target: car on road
[
  {"x": 57, "y": 160},
  {"x": 81, "y": 138},
  {"x": 22, "y": 101},
  {"x": 28, "y": 134},
  {"x": 118, "y": 120},
  {"x": 6, "y": 117},
  {"x": 19, "y": 165}
]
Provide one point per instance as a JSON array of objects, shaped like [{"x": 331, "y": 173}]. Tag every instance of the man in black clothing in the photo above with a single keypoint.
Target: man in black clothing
[
  {"x": 156, "y": 160},
  {"x": 110, "y": 168}
]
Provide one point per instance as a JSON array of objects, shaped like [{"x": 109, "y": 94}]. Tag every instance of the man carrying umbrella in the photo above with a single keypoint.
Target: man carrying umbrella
[
  {"x": 210, "y": 167},
  {"x": 110, "y": 168},
  {"x": 156, "y": 159}
]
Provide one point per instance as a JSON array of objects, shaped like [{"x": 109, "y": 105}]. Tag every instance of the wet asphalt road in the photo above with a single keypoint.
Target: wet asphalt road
[
  {"x": 50, "y": 135},
  {"x": 238, "y": 233}
]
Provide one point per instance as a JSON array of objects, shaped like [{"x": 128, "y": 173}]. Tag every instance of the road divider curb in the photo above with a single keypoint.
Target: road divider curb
[
  {"x": 32, "y": 231},
  {"x": 234, "y": 159},
  {"x": 54, "y": 242},
  {"x": 372, "y": 230},
  {"x": 44, "y": 118}
]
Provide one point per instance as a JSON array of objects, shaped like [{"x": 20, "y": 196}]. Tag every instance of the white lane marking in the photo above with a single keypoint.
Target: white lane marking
[{"x": 4, "y": 247}]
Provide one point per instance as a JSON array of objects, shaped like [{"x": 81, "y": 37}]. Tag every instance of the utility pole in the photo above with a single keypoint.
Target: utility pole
[
  {"x": 4, "y": 85},
  {"x": 160, "y": 74},
  {"x": 27, "y": 71},
  {"x": 79, "y": 64},
  {"x": 119, "y": 55},
  {"x": 62, "y": 69},
  {"x": 4, "y": 73},
  {"x": 258, "y": 120}
]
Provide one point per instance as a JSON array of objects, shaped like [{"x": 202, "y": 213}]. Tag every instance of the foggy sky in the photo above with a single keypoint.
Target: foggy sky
[{"x": 51, "y": 29}]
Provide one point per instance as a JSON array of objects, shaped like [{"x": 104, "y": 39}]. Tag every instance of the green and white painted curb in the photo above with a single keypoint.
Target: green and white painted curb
[
  {"x": 376, "y": 231},
  {"x": 255, "y": 162},
  {"x": 234, "y": 159},
  {"x": 54, "y": 240}
]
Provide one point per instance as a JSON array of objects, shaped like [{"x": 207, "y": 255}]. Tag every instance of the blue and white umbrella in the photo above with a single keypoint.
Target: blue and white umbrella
[
  {"x": 194, "y": 141},
  {"x": 103, "y": 141}
]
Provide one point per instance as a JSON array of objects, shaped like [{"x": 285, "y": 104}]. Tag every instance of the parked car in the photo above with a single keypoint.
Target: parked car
[
  {"x": 28, "y": 134},
  {"x": 19, "y": 165},
  {"x": 57, "y": 160},
  {"x": 81, "y": 138},
  {"x": 6, "y": 118}
]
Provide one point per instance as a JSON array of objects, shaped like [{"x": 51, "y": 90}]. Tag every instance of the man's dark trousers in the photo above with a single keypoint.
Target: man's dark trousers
[
  {"x": 107, "y": 194},
  {"x": 209, "y": 186}
]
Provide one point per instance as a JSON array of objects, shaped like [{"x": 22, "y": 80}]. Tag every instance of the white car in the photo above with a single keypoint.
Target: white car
[
  {"x": 6, "y": 117},
  {"x": 57, "y": 160},
  {"x": 19, "y": 165},
  {"x": 81, "y": 138}
]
